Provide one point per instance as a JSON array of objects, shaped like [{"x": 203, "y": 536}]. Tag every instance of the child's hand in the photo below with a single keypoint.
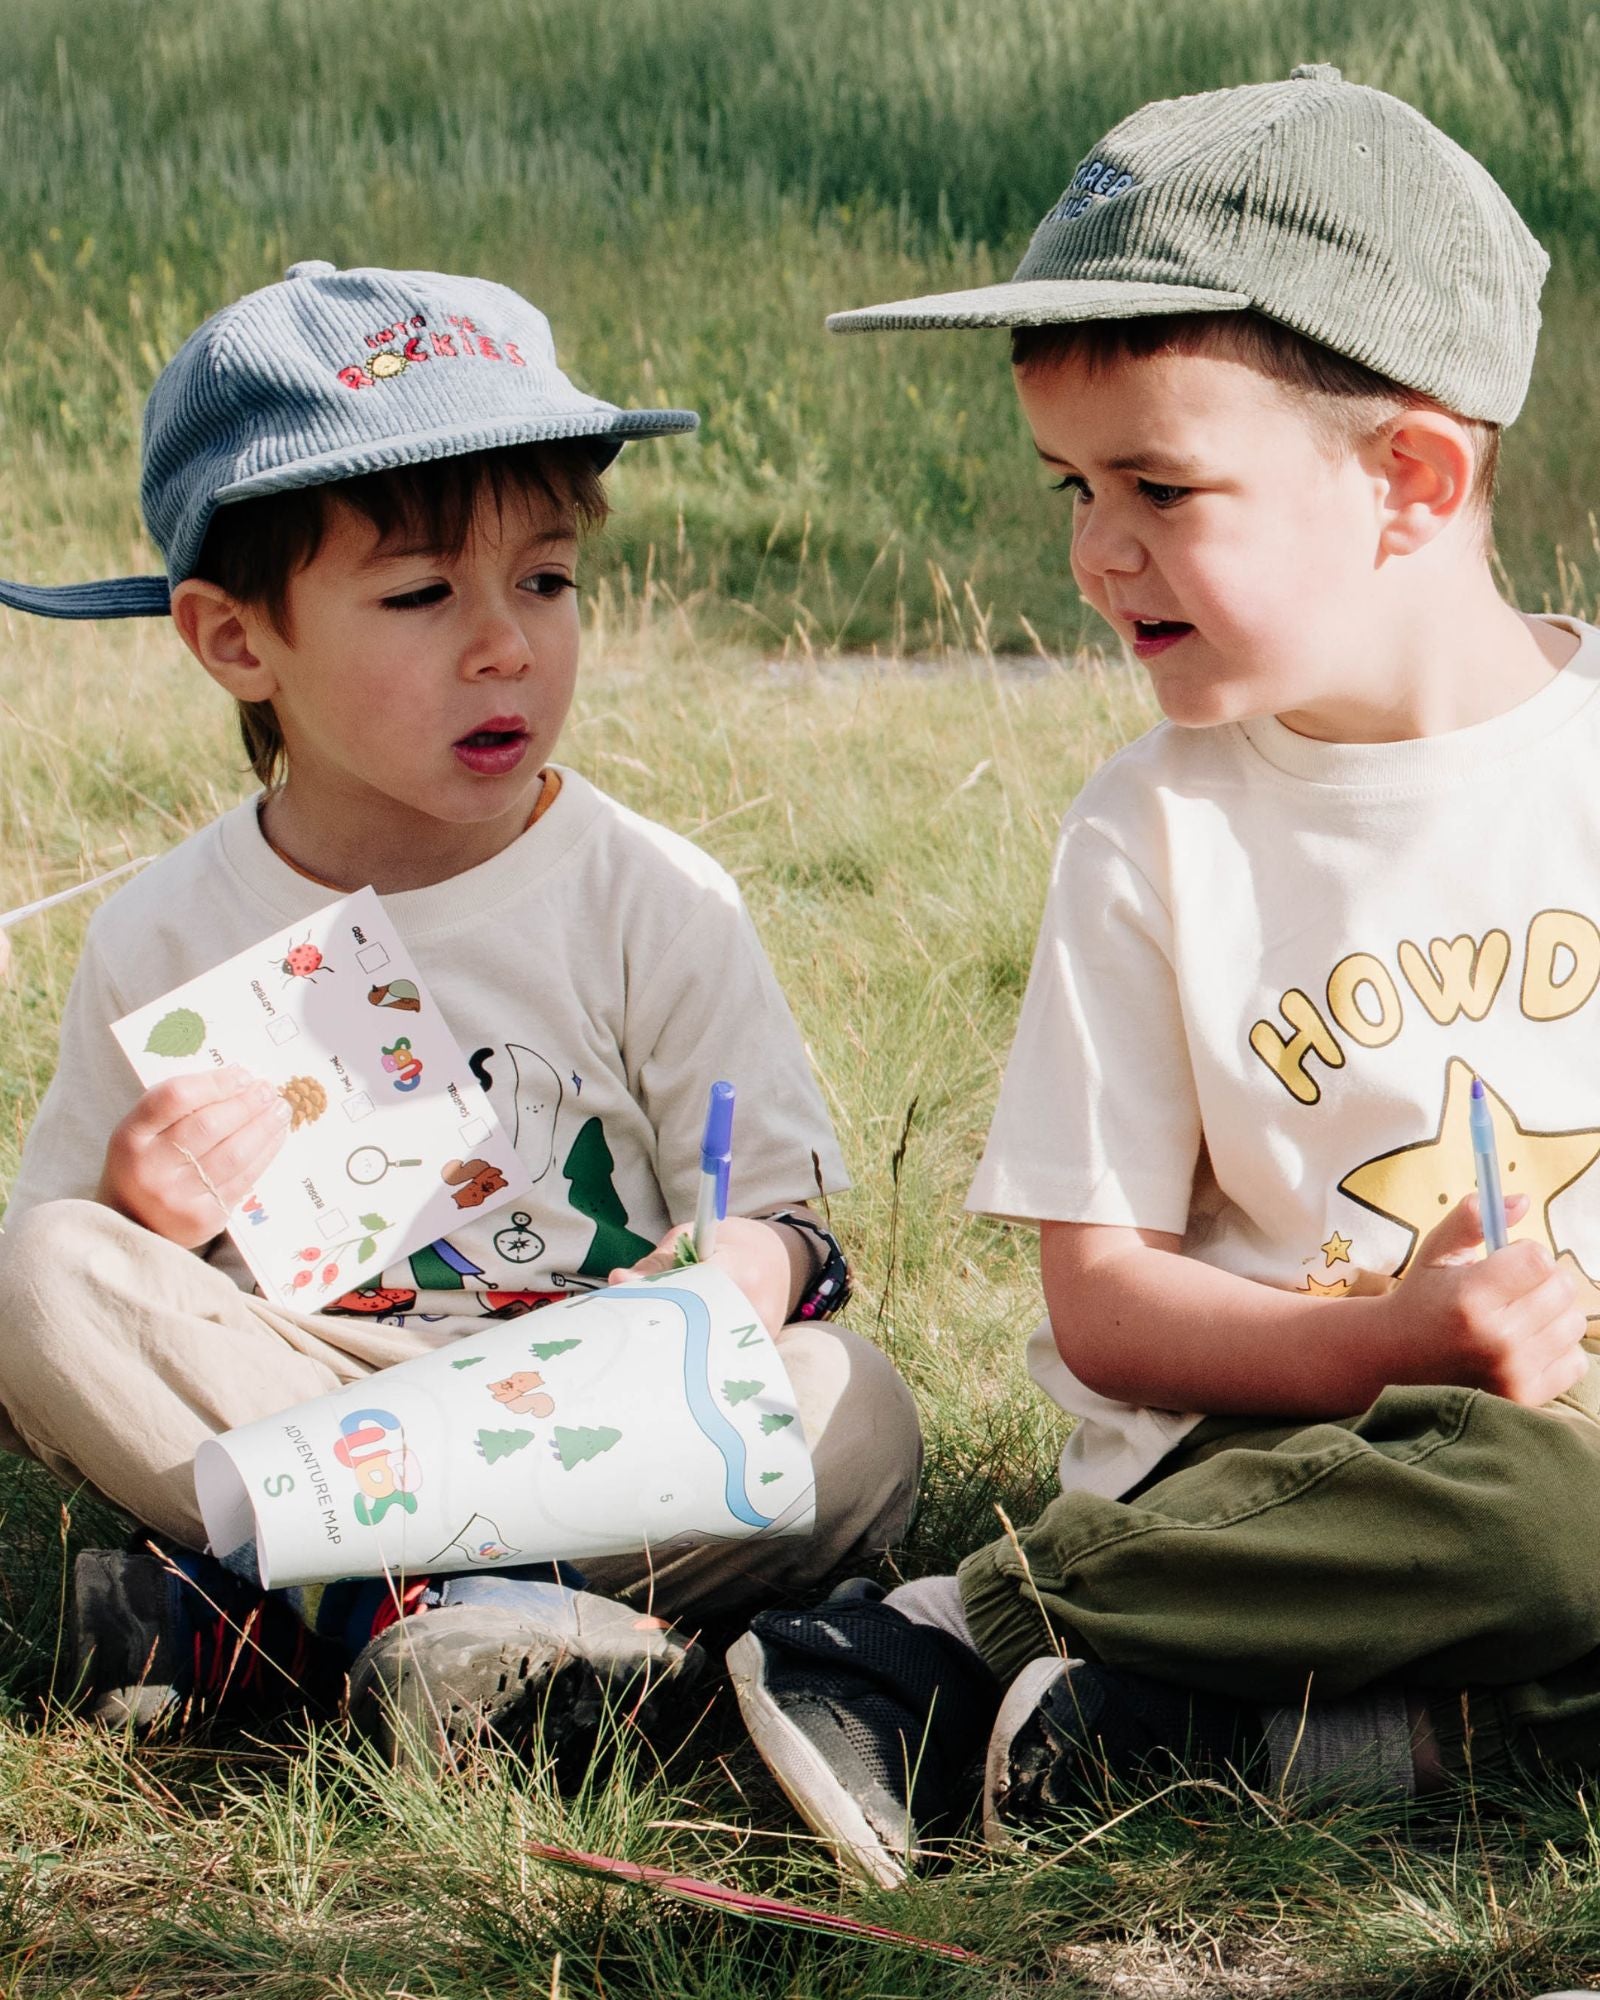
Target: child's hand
[
  {"x": 752, "y": 1253},
  {"x": 1508, "y": 1323},
  {"x": 190, "y": 1151}
]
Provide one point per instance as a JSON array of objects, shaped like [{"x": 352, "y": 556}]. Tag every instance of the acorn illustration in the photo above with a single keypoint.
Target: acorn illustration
[{"x": 306, "y": 1099}]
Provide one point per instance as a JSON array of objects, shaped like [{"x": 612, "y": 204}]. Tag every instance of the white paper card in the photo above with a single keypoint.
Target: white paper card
[
  {"x": 393, "y": 1137},
  {"x": 646, "y": 1416}
]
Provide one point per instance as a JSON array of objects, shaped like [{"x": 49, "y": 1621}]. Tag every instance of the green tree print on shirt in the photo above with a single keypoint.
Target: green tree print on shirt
[{"x": 589, "y": 1167}]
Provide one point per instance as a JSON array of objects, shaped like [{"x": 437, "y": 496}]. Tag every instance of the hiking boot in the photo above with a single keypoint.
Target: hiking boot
[
  {"x": 158, "y": 1638},
  {"x": 518, "y": 1663},
  {"x": 873, "y": 1725},
  {"x": 1065, "y": 1727}
]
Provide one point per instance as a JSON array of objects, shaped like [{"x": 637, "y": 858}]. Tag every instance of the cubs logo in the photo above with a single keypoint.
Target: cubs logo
[{"x": 386, "y": 1473}]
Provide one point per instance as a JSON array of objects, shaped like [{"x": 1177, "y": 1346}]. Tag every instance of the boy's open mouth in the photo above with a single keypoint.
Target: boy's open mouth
[
  {"x": 499, "y": 746},
  {"x": 1155, "y": 635}
]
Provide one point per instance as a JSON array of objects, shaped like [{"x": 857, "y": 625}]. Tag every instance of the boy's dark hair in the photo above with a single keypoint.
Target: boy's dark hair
[
  {"x": 1346, "y": 403},
  {"x": 254, "y": 548}
]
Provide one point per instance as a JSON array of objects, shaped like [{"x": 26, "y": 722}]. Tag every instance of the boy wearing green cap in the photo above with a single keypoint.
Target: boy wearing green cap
[
  {"x": 369, "y": 488},
  {"x": 1333, "y": 1493}
]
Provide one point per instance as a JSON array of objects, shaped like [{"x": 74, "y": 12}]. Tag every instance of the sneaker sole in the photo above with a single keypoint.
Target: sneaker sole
[
  {"x": 471, "y": 1679},
  {"x": 410, "y": 1704},
  {"x": 1021, "y": 1699},
  {"x": 806, "y": 1779}
]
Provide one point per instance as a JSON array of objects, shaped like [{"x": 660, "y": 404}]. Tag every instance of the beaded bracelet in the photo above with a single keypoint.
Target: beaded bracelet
[{"x": 829, "y": 1289}]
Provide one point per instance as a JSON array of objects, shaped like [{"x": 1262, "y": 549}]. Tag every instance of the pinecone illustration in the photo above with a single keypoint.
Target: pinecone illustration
[{"x": 306, "y": 1099}]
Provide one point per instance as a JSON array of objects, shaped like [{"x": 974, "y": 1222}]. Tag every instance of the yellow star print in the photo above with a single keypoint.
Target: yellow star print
[
  {"x": 1336, "y": 1289},
  {"x": 1335, "y": 1251},
  {"x": 1418, "y": 1185}
]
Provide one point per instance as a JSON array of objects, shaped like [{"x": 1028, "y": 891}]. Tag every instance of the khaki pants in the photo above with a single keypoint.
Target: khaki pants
[
  {"x": 119, "y": 1353},
  {"x": 1444, "y": 1540}
]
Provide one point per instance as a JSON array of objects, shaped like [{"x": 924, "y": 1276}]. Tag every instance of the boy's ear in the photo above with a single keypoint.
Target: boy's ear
[
  {"x": 215, "y": 629},
  {"x": 1425, "y": 465}
]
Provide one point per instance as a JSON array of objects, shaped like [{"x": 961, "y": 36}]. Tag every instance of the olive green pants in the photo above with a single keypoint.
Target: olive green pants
[{"x": 1444, "y": 1540}]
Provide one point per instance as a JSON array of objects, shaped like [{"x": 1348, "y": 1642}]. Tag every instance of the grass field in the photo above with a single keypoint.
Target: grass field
[{"x": 810, "y": 646}]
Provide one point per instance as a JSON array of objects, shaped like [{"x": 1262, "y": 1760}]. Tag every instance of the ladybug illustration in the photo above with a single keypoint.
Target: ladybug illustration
[{"x": 303, "y": 961}]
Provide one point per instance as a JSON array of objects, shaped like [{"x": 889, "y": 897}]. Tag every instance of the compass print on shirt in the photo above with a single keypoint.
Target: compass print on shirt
[{"x": 519, "y": 1244}]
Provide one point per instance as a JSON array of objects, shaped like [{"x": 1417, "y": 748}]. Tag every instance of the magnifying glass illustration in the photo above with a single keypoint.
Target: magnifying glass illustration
[{"x": 370, "y": 1163}]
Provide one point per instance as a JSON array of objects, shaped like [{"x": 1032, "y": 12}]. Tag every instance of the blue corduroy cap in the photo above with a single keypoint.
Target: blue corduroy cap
[{"x": 328, "y": 375}]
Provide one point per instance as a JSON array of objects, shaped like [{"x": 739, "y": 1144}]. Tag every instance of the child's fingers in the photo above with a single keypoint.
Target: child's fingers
[
  {"x": 237, "y": 1162},
  {"x": 1454, "y": 1237},
  {"x": 647, "y": 1267},
  {"x": 203, "y": 1130},
  {"x": 164, "y": 1105},
  {"x": 1565, "y": 1371},
  {"x": 1548, "y": 1314}
]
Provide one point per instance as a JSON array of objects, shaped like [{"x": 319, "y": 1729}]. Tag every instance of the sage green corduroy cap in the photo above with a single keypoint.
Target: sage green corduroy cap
[{"x": 1329, "y": 206}]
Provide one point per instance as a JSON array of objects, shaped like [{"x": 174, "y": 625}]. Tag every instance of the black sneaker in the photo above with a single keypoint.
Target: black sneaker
[
  {"x": 873, "y": 1725},
  {"x": 157, "y": 1639},
  {"x": 1066, "y": 1726},
  {"x": 512, "y": 1662}
]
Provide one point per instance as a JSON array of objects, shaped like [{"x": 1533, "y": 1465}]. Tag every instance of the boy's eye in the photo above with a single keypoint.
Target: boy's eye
[
  {"x": 547, "y": 583},
  {"x": 1162, "y": 496},
  {"x": 1074, "y": 483},
  {"x": 413, "y": 600}
]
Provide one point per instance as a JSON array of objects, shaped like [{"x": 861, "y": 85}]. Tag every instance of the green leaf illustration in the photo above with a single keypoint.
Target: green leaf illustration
[
  {"x": 373, "y": 1222},
  {"x": 469, "y": 1361},
  {"x": 773, "y": 1422},
  {"x": 369, "y": 1248},
  {"x": 741, "y": 1392},
  {"x": 768, "y": 1477},
  {"x": 179, "y": 1033},
  {"x": 541, "y": 1350}
]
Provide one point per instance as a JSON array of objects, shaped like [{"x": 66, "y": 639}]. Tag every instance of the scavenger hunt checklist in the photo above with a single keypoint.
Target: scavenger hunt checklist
[{"x": 391, "y": 1137}]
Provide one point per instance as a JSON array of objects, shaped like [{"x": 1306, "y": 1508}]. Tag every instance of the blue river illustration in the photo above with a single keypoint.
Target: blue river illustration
[{"x": 697, "y": 1389}]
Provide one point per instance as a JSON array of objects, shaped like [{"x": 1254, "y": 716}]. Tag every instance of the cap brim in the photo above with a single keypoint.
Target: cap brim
[
  {"x": 1036, "y": 302},
  {"x": 117, "y": 597},
  {"x": 599, "y": 421},
  {"x": 150, "y": 596}
]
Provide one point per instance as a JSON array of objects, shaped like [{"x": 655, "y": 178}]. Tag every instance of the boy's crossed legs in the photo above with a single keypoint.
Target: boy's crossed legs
[
  {"x": 119, "y": 1353},
  {"x": 1392, "y": 1599}
]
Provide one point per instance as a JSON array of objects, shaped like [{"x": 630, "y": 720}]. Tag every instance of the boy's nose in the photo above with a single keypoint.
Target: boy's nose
[
  {"x": 498, "y": 645},
  {"x": 1101, "y": 546}
]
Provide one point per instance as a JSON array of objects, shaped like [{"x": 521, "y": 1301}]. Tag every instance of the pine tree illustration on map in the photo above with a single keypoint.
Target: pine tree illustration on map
[
  {"x": 501, "y": 1444},
  {"x": 589, "y": 1168},
  {"x": 583, "y": 1441}
]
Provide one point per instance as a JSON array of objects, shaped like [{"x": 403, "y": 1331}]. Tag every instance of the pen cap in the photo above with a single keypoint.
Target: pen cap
[{"x": 716, "y": 1148}]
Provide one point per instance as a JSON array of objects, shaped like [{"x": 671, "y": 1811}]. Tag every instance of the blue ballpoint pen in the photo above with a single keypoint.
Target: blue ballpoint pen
[
  {"x": 1491, "y": 1203},
  {"x": 716, "y": 1161}
]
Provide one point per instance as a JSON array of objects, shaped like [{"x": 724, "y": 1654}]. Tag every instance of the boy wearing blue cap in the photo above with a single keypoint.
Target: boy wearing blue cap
[
  {"x": 369, "y": 488},
  {"x": 1327, "y": 1510}
]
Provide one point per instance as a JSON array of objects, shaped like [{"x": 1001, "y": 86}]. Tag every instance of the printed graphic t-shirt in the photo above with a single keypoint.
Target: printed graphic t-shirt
[
  {"x": 600, "y": 973},
  {"x": 1268, "y": 970}
]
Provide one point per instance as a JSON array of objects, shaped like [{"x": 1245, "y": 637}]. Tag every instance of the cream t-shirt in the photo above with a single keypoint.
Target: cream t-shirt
[
  {"x": 600, "y": 973},
  {"x": 1269, "y": 968}
]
